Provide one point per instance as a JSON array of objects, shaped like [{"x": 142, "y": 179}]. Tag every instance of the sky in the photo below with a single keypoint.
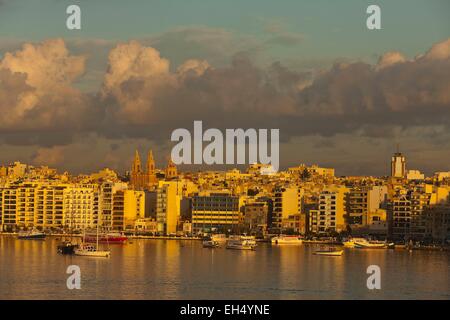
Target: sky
[{"x": 342, "y": 95}]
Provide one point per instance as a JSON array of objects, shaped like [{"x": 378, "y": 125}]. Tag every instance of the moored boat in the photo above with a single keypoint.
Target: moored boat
[
  {"x": 284, "y": 239},
  {"x": 109, "y": 238},
  {"x": 241, "y": 243},
  {"x": 90, "y": 250},
  {"x": 331, "y": 251},
  {"x": 362, "y": 243},
  {"x": 31, "y": 235},
  {"x": 67, "y": 247},
  {"x": 219, "y": 237},
  {"x": 210, "y": 244}
]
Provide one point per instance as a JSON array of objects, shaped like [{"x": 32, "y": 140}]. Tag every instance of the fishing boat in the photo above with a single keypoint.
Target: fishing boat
[
  {"x": 241, "y": 243},
  {"x": 109, "y": 238},
  {"x": 91, "y": 250},
  {"x": 31, "y": 235},
  {"x": 331, "y": 251},
  {"x": 283, "y": 239},
  {"x": 210, "y": 244}
]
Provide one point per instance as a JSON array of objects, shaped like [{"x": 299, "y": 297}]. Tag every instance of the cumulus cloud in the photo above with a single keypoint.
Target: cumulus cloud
[
  {"x": 142, "y": 97},
  {"x": 389, "y": 59},
  {"x": 36, "y": 84}
]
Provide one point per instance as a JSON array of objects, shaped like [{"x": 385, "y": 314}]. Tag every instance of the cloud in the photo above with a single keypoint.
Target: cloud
[
  {"x": 53, "y": 156},
  {"x": 390, "y": 58},
  {"x": 143, "y": 96},
  {"x": 37, "y": 88}
]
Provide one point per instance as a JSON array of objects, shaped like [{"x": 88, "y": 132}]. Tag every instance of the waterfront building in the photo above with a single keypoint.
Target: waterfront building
[
  {"x": 8, "y": 203},
  {"x": 168, "y": 210},
  {"x": 134, "y": 208},
  {"x": 81, "y": 207},
  {"x": 332, "y": 210},
  {"x": 256, "y": 217},
  {"x": 146, "y": 225},
  {"x": 408, "y": 219},
  {"x": 285, "y": 204},
  {"x": 362, "y": 203},
  {"x": 118, "y": 210},
  {"x": 216, "y": 210}
]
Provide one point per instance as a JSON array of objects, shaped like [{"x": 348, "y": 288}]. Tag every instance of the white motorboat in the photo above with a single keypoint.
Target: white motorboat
[
  {"x": 210, "y": 244},
  {"x": 283, "y": 239},
  {"x": 241, "y": 243}
]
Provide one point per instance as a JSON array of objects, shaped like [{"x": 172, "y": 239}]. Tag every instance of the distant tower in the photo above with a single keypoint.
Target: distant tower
[
  {"x": 136, "y": 171},
  {"x": 151, "y": 170},
  {"x": 171, "y": 170},
  {"x": 398, "y": 165},
  {"x": 150, "y": 163}
]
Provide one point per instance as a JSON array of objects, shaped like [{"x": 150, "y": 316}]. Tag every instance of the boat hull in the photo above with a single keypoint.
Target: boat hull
[
  {"x": 293, "y": 241},
  {"x": 68, "y": 249},
  {"x": 210, "y": 244},
  {"x": 370, "y": 246},
  {"x": 32, "y": 237},
  {"x": 108, "y": 240},
  {"x": 240, "y": 247},
  {"x": 329, "y": 253},
  {"x": 99, "y": 254}
]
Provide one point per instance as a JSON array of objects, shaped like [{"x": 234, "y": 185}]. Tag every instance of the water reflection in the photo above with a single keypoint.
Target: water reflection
[{"x": 159, "y": 269}]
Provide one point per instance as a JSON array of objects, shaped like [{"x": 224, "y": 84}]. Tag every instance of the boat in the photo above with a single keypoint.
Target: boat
[
  {"x": 67, "y": 247},
  {"x": 351, "y": 242},
  {"x": 331, "y": 251},
  {"x": 109, "y": 238},
  {"x": 210, "y": 244},
  {"x": 31, "y": 235},
  {"x": 219, "y": 237},
  {"x": 241, "y": 243},
  {"x": 283, "y": 239},
  {"x": 91, "y": 250},
  {"x": 362, "y": 243}
]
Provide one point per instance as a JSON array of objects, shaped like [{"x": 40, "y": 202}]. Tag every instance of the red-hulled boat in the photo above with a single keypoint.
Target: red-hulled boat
[{"x": 111, "y": 238}]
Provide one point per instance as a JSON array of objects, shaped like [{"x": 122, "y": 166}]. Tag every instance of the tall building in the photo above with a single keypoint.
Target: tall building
[
  {"x": 408, "y": 215},
  {"x": 285, "y": 205},
  {"x": 362, "y": 204},
  {"x": 330, "y": 216},
  {"x": 256, "y": 217},
  {"x": 168, "y": 210},
  {"x": 134, "y": 208},
  {"x": 81, "y": 207},
  {"x": 398, "y": 166}
]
